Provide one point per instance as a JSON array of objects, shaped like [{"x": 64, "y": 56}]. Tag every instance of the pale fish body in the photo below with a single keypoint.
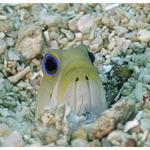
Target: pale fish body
[{"x": 69, "y": 77}]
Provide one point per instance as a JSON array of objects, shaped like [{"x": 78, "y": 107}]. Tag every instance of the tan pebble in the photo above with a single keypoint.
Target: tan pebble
[
  {"x": 4, "y": 130},
  {"x": 15, "y": 78},
  {"x": 52, "y": 136},
  {"x": 131, "y": 143},
  {"x": 78, "y": 36},
  {"x": 2, "y": 17},
  {"x": 79, "y": 133},
  {"x": 29, "y": 41},
  {"x": 94, "y": 47}
]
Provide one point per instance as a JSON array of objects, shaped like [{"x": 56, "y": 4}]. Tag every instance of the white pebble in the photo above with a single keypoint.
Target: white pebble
[
  {"x": 143, "y": 35},
  {"x": 131, "y": 124}
]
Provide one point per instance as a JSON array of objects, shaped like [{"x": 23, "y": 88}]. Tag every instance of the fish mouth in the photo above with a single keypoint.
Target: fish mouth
[
  {"x": 85, "y": 97},
  {"x": 83, "y": 92}
]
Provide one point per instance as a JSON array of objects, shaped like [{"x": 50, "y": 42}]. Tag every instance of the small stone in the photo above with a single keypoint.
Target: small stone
[
  {"x": 146, "y": 78},
  {"x": 2, "y": 84},
  {"x": 145, "y": 124},
  {"x": 4, "y": 26},
  {"x": 73, "y": 22},
  {"x": 143, "y": 35},
  {"x": 118, "y": 138},
  {"x": 107, "y": 68},
  {"x": 138, "y": 91},
  {"x": 131, "y": 124},
  {"x": 46, "y": 35},
  {"x": 117, "y": 60},
  {"x": 3, "y": 46},
  {"x": 4, "y": 130},
  {"x": 2, "y": 35},
  {"x": 52, "y": 136},
  {"x": 78, "y": 36},
  {"x": 10, "y": 41},
  {"x": 109, "y": 119},
  {"x": 95, "y": 143},
  {"x": 13, "y": 140},
  {"x": 131, "y": 143},
  {"x": 54, "y": 44},
  {"x": 122, "y": 44},
  {"x": 15, "y": 78},
  {"x": 29, "y": 41},
  {"x": 85, "y": 23},
  {"x": 13, "y": 55},
  {"x": 79, "y": 143},
  {"x": 112, "y": 44},
  {"x": 79, "y": 133},
  {"x": 68, "y": 34},
  {"x": 94, "y": 47},
  {"x": 51, "y": 20},
  {"x": 53, "y": 35}
]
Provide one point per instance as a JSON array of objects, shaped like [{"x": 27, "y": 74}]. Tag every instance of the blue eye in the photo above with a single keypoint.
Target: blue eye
[{"x": 50, "y": 65}]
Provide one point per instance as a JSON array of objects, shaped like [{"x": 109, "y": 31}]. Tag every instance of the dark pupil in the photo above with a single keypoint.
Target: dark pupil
[
  {"x": 51, "y": 65},
  {"x": 92, "y": 57}
]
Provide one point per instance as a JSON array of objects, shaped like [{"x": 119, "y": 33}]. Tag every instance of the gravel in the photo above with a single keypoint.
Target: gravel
[{"x": 117, "y": 34}]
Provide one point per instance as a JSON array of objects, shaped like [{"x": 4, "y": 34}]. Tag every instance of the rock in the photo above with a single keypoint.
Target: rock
[
  {"x": 59, "y": 6},
  {"x": 121, "y": 30},
  {"x": 120, "y": 111},
  {"x": 46, "y": 35},
  {"x": 3, "y": 46},
  {"x": 68, "y": 34},
  {"x": 143, "y": 35},
  {"x": 95, "y": 143},
  {"x": 13, "y": 55},
  {"x": 138, "y": 91},
  {"x": 54, "y": 44},
  {"x": 85, "y": 23},
  {"x": 122, "y": 44},
  {"x": 4, "y": 130},
  {"x": 2, "y": 84},
  {"x": 29, "y": 41},
  {"x": 10, "y": 41},
  {"x": 79, "y": 133},
  {"x": 118, "y": 138},
  {"x": 94, "y": 47},
  {"x": 107, "y": 68},
  {"x": 2, "y": 35},
  {"x": 79, "y": 143},
  {"x": 131, "y": 124},
  {"x": 15, "y": 78},
  {"x": 146, "y": 78},
  {"x": 112, "y": 44},
  {"x": 117, "y": 60},
  {"x": 78, "y": 36},
  {"x": 62, "y": 141},
  {"x": 130, "y": 143},
  {"x": 73, "y": 22},
  {"x": 52, "y": 136},
  {"x": 5, "y": 26},
  {"x": 13, "y": 140},
  {"x": 145, "y": 123},
  {"x": 51, "y": 20}
]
